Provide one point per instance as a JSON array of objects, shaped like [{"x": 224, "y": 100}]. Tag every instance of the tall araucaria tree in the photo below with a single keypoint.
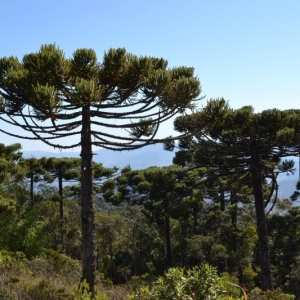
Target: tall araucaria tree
[
  {"x": 247, "y": 146},
  {"x": 117, "y": 104}
]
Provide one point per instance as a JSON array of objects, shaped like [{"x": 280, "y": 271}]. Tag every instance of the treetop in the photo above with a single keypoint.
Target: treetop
[{"x": 45, "y": 92}]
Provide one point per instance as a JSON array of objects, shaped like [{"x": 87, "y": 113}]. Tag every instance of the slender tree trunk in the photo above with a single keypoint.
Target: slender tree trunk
[
  {"x": 195, "y": 219},
  {"x": 31, "y": 187},
  {"x": 61, "y": 208},
  {"x": 266, "y": 282},
  {"x": 222, "y": 200},
  {"x": 87, "y": 203},
  {"x": 60, "y": 191},
  {"x": 233, "y": 201},
  {"x": 195, "y": 212},
  {"x": 168, "y": 235}
]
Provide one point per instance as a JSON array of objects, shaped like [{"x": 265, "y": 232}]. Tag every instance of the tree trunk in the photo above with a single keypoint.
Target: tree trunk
[
  {"x": 31, "y": 187},
  {"x": 195, "y": 219},
  {"x": 265, "y": 276},
  {"x": 233, "y": 201},
  {"x": 61, "y": 208},
  {"x": 168, "y": 234},
  {"x": 60, "y": 191},
  {"x": 222, "y": 200},
  {"x": 87, "y": 203}
]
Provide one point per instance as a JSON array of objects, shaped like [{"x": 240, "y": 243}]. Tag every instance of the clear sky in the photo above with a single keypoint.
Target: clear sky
[{"x": 245, "y": 51}]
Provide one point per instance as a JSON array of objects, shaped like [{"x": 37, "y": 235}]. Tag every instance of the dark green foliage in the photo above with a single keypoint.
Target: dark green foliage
[
  {"x": 129, "y": 245},
  {"x": 8, "y": 221},
  {"x": 242, "y": 148},
  {"x": 284, "y": 235},
  {"x": 292, "y": 282},
  {"x": 34, "y": 228}
]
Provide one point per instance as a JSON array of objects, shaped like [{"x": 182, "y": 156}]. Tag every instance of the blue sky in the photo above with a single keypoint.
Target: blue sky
[{"x": 245, "y": 51}]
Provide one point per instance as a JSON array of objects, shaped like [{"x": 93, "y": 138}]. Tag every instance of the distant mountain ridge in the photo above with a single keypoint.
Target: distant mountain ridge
[
  {"x": 142, "y": 158},
  {"x": 154, "y": 155}
]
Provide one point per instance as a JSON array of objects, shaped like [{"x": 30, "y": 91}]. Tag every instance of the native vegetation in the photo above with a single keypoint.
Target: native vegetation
[{"x": 209, "y": 226}]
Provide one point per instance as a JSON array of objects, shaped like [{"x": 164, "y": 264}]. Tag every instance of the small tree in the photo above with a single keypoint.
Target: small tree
[{"x": 117, "y": 104}]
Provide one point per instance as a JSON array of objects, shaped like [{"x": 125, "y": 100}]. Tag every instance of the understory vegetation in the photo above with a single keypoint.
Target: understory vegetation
[{"x": 40, "y": 256}]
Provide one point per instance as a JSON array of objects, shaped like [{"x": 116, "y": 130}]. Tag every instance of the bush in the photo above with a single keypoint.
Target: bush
[
  {"x": 198, "y": 283},
  {"x": 258, "y": 294}
]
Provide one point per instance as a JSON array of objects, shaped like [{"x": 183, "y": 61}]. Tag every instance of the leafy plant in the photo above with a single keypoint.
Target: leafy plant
[{"x": 199, "y": 283}]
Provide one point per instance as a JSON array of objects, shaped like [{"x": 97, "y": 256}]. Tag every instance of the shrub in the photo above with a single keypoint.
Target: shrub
[
  {"x": 277, "y": 294},
  {"x": 198, "y": 283}
]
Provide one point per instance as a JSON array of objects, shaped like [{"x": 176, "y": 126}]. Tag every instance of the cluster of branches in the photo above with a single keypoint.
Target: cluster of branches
[{"x": 44, "y": 95}]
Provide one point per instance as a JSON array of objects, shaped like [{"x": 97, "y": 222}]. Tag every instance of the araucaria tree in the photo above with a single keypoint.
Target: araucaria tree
[
  {"x": 118, "y": 104},
  {"x": 246, "y": 146}
]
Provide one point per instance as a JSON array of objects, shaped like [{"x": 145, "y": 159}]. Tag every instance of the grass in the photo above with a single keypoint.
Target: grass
[{"x": 52, "y": 277}]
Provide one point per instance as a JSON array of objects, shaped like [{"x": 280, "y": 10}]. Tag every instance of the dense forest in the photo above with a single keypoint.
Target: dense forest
[
  {"x": 209, "y": 226},
  {"x": 147, "y": 222}
]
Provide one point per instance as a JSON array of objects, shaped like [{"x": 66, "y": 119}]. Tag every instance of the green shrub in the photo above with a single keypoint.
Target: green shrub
[
  {"x": 198, "y": 283},
  {"x": 230, "y": 284},
  {"x": 277, "y": 294},
  {"x": 249, "y": 276}
]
